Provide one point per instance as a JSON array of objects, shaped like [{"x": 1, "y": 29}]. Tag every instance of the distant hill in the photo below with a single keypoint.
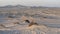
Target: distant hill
[
  {"x": 22, "y": 6},
  {"x": 16, "y": 6}
]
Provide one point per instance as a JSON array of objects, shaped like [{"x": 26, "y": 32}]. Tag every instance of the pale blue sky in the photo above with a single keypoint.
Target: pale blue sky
[{"x": 31, "y": 2}]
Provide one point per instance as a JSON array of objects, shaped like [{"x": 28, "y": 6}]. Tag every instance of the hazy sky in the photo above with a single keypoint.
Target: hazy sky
[{"x": 31, "y": 2}]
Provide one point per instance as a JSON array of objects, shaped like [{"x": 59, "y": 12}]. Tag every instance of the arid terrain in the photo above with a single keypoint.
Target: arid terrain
[{"x": 12, "y": 20}]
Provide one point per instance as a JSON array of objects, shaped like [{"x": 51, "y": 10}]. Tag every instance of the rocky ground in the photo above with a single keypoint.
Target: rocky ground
[{"x": 48, "y": 21}]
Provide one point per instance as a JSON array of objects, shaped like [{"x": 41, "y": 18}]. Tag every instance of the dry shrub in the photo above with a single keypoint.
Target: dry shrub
[
  {"x": 32, "y": 19},
  {"x": 23, "y": 18}
]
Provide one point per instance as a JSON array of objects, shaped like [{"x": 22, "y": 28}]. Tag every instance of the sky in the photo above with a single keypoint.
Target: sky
[{"x": 49, "y": 3}]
